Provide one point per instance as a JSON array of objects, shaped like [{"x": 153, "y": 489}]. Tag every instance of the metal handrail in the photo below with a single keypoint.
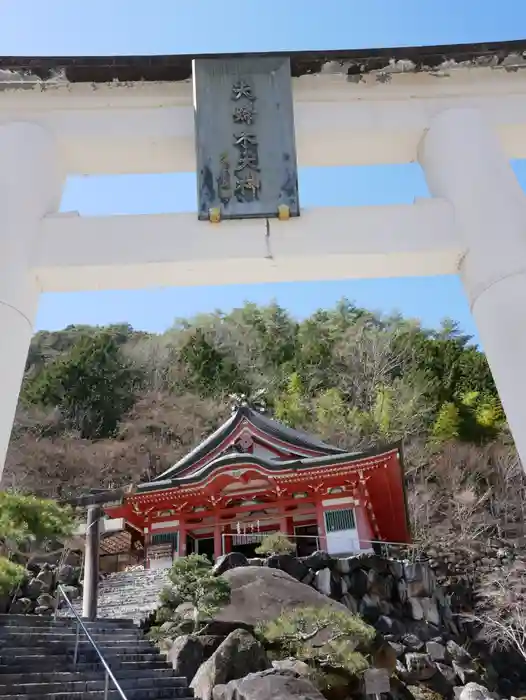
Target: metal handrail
[
  {"x": 318, "y": 538},
  {"x": 108, "y": 675}
]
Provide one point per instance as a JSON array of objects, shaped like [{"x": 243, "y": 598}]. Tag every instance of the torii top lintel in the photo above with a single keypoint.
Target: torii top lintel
[{"x": 175, "y": 68}]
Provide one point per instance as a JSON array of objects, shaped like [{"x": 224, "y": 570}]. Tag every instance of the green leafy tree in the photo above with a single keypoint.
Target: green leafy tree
[
  {"x": 192, "y": 582},
  {"x": 291, "y": 406},
  {"x": 447, "y": 423},
  {"x": 93, "y": 385},
  {"x": 28, "y": 525},
  {"x": 472, "y": 418},
  {"x": 354, "y": 377},
  {"x": 326, "y": 639},
  {"x": 211, "y": 370},
  {"x": 482, "y": 417},
  {"x": 275, "y": 330}
]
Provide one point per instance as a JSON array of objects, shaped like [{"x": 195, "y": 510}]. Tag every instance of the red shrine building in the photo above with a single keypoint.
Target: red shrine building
[{"x": 255, "y": 476}]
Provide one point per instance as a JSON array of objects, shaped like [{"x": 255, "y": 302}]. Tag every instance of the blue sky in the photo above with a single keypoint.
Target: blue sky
[{"x": 74, "y": 27}]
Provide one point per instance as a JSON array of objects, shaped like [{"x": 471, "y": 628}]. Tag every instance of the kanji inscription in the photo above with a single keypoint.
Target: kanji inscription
[{"x": 244, "y": 124}]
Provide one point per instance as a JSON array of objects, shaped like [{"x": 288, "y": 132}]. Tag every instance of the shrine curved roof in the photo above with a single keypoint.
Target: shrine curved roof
[
  {"x": 510, "y": 55},
  {"x": 267, "y": 425},
  {"x": 233, "y": 460}
]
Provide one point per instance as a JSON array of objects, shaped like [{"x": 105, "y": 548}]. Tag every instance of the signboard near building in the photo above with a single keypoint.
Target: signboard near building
[
  {"x": 160, "y": 556},
  {"x": 245, "y": 146},
  {"x": 160, "y": 551}
]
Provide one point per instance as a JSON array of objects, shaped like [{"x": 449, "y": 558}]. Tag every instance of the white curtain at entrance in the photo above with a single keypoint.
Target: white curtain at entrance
[{"x": 252, "y": 538}]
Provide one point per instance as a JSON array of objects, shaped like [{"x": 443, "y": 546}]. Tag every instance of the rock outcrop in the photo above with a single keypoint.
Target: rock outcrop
[
  {"x": 259, "y": 594},
  {"x": 189, "y": 651},
  {"x": 38, "y": 594},
  {"x": 237, "y": 656},
  {"x": 420, "y": 616},
  {"x": 276, "y": 684}
]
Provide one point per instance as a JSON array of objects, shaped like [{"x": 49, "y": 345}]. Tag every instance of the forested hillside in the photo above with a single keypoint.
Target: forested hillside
[{"x": 107, "y": 406}]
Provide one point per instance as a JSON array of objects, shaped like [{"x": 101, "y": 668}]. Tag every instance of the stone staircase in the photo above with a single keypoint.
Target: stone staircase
[
  {"x": 132, "y": 595},
  {"x": 36, "y": 662}
]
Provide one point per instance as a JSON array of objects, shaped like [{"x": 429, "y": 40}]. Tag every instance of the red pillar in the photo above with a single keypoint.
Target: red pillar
[
  {"x": 181, "y": 543},
  {"x": 218, "y": 540},
  {"x": 363, "y": 526},
  {"x": 147, "y": 542},
  {"x": 320, "y": 518},
  {"x": 286, "y": 523},
  {"x": 227, "y": 538},
  {"x": 290, "y": 526}
]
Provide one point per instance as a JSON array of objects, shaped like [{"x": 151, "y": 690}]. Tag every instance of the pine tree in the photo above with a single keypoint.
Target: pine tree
[
  {"x": 93, "y": 385},
  {"x": 27, "y": 524}
]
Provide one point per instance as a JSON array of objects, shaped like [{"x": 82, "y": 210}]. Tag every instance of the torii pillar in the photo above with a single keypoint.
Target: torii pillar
[
  {"x": 31, "y": 184},
  {"x": 463, "y": 162},
  {"x": 91, "y": 563}
]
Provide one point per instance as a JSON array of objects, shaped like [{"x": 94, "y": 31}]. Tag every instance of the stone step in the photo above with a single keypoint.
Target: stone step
[
  {"x": 125, "y": 602},
  {"x": 25, "y": 686},
  {"x": 134, "y": 582},
  {"x": 136, "y": 612},
  {"x": 131, "y": 585},
  {"x": 130, "y": 593},
  {"x": 35, "y": 636},
  {"x": 136, "y": 694},
  {"x": 112, "y": 608},
  {"x": 53, "y": 648},
  {"x": 142, "y": 581},
  {"x": 66, "y": 666},
  {"x": 30, "y": 656},
  {"x": 133, "y": 593},
  {"x": 37, "y": 621},
  {"x": 67, "y": 676}
]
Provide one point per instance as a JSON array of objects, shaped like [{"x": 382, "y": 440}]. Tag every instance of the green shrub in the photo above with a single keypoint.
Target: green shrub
[
  {"x": 328, "y": 640},
  {"x": 192, "y": 582},
  {"x": 27, "y": 524},
  {"x": 276, "y": 543},
  {"x": 11, "y": 575}
]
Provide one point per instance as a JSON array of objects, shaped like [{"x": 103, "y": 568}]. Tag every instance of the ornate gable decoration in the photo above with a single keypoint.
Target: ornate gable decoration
[{"x": 249, "y": 431}]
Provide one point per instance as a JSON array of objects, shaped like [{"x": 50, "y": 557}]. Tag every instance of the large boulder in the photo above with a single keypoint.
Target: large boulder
[
  {"x": 259, "y": 594},
  {"x": 47, "y": 578},
  {"x": 420, "y": 667},
  {"x": 34, "y": 588},
  {"x": 229, "y": 561},
  {"x": 22, "y": 606},
  {"x": 358, "y": 583},
  {"x": 222, "y": 628},
  {"x": 189, "y": 651},
  {"x": 46, "y": 601},
  {"x": 238, "y": 655},
  {"x": 275, "y": 684},
  {"x": 67, "y": 575},
  {"x": 287, "y": 562},
  {"x": 367, "y": 560},
  {"x": 299, "y": 668},
  {"x": 319, "y": 560},
  {"x": 474, "y": 691},
  {"x": 323, "y": 581}
]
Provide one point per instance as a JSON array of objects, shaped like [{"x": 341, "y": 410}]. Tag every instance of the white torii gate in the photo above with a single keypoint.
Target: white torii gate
[{"x": 460, "y": 121}]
